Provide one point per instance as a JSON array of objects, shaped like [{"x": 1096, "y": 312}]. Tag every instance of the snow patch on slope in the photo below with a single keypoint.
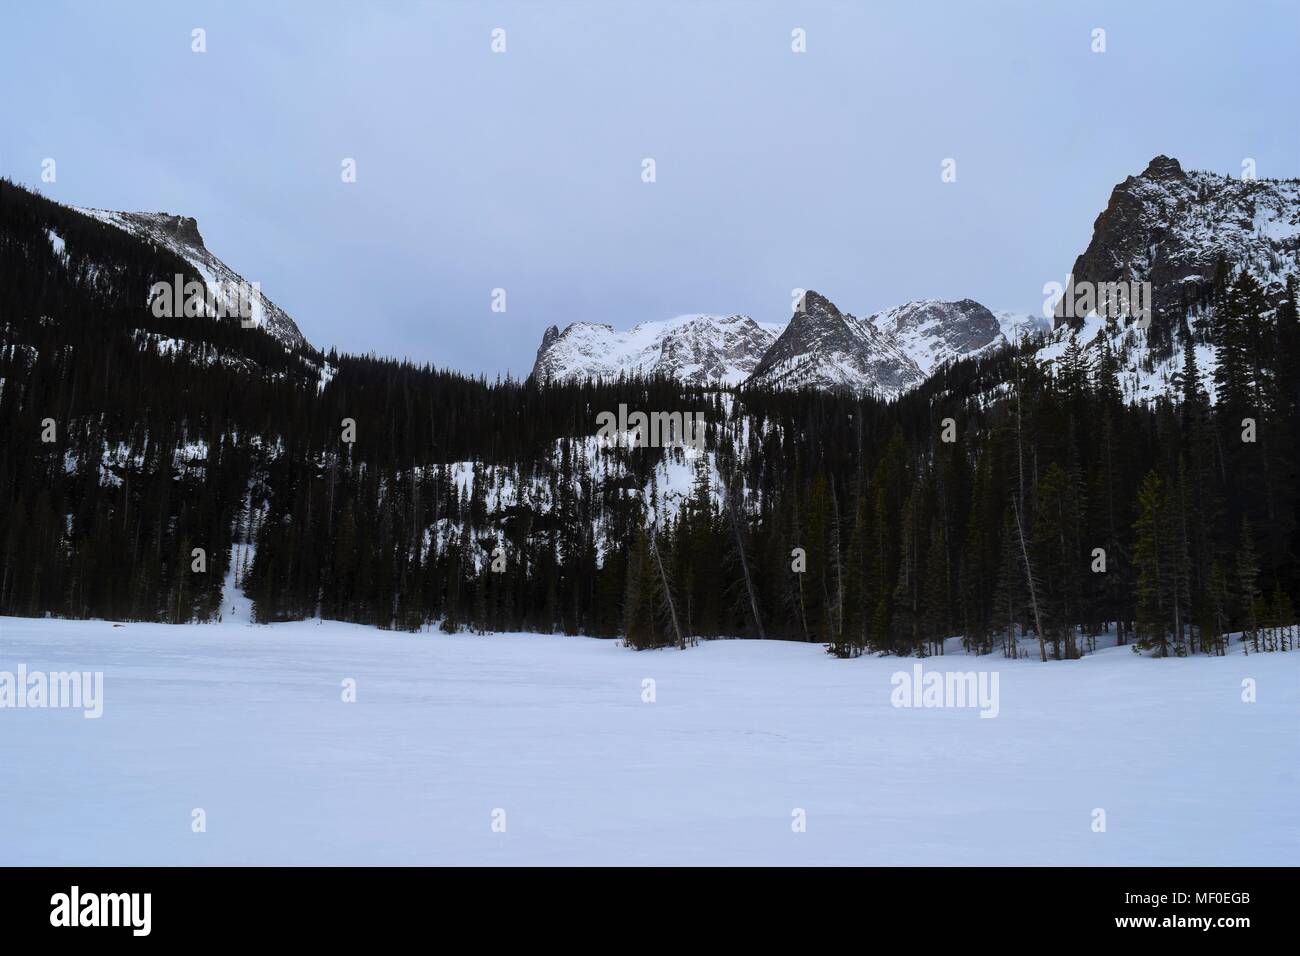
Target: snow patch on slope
[{"x": 1142, "y": 378}]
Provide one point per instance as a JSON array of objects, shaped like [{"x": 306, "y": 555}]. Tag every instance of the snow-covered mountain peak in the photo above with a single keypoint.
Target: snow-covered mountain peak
[
  {"x": 1172, "y": 228},
  {"x": 1177, "y": 230},
  {"x": 694, "y": 348},
  {"x": 931, "y": 331},
  {"x": 823, "y": 347}
]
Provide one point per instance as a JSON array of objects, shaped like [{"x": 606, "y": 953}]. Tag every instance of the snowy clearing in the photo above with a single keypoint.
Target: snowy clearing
[{"x": 248, "y": 724}]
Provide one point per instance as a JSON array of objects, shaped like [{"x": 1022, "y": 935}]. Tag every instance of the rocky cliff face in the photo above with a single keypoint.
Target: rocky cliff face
[
  {"x": 1171, "y": 228},
  {"x": 1176, "y": 230},
  {"x": 823, "y": 347},
  {"x": 181, "y": 235},
  {"x": 1168, "y": 227}
]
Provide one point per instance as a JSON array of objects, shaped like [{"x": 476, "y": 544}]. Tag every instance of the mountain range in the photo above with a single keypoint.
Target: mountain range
[
  {"x": 150, "y": 456},
  {"x": 885, "y": 354},
  {"x": 1179, "y": 231}
]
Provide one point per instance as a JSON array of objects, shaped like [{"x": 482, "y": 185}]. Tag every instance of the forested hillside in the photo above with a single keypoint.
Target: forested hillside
[{"x": 1001, "y": 496}]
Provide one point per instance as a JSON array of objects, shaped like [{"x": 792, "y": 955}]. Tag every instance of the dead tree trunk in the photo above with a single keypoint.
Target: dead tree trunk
[
  {"x": 1029, "y": 579},
  {"x": 1020, "y": 528},
  {"x": 668, "y": 593},
  {"x": 744, "y": 562}
]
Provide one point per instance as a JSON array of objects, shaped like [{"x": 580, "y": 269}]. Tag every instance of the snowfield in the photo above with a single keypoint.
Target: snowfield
[{"x": 248, "y": 724}]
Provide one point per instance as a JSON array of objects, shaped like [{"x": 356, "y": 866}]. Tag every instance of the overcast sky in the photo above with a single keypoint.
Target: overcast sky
[{"x": 522, "y": 170}]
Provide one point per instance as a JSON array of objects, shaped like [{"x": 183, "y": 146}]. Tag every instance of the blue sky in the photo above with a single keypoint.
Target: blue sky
[{"x": 522, "y": 170}]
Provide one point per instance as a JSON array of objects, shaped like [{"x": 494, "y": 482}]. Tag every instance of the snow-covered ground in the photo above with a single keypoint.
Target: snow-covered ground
[{"x": 248, "y": 724}]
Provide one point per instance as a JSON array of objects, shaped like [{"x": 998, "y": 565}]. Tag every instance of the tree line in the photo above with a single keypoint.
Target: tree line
[{"x": 1000, "y": 500}]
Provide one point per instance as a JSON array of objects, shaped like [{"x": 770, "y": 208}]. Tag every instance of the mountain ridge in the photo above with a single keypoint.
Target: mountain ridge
[
  {"x": 694, "y": 348},
  {"x": 1172, "y": 228},
  {"x": 180, "y": 234},
  {"x": 886, "y": 353}
]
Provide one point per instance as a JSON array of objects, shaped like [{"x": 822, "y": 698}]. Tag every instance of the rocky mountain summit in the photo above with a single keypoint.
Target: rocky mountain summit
[
  {"x": 823, "y": 347},
  {"x": 180, "y": 234},
  {"x": 1173, "y": 228}
]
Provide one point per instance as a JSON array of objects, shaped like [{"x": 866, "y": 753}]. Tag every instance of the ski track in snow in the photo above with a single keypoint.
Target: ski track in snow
[{"x": 247, "y": 723}]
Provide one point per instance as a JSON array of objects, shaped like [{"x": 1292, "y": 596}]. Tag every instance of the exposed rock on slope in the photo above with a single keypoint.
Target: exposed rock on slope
[
  {"x": 1171, "y": 228},
  {"x": 181, "y": 235},
  {"x": 823, "y": 347}
]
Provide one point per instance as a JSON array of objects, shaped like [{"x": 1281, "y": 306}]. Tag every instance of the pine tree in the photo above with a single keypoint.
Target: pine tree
[
  {"x": 639, "y": 629},
  {"x": 1237, "y": 328},
  {"x": 907, "y": 590},
  {"x": 1247, "y": 586},
  {"x": 1214, "y": 622},
  {"x": 856, "y": 600},
  {"x": 935, "y": 612},
  {"x": 1282, "y": 612},
  {"x": 1177, "y": 538},
  {"x": 1153, "y": 575},
  {"x": 1008, "y": 595}
]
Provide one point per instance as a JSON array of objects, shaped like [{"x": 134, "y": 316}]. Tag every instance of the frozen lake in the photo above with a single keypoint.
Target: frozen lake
[{"x": 248, "y": 724}]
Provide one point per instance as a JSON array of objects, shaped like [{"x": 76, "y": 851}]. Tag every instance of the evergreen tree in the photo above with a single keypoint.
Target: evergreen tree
[
  {"x": 1247, "y": 591},
  {"x": 1149, "y": 555}
]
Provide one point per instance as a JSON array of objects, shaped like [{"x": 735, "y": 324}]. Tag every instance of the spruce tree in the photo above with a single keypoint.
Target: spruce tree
[{"x": 1149, "y": 557}]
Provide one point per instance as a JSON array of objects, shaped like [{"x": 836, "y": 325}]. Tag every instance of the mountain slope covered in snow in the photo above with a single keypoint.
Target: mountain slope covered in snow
[
  {"x": 931, "y": 332},
  {"x": 180, "y": 234},
  {"x": 1174, "y": 228},
  {"x": 823, "y": 347},
  {"x": 1188, "y": 235},
  {"x": 697, "y": 349}
]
